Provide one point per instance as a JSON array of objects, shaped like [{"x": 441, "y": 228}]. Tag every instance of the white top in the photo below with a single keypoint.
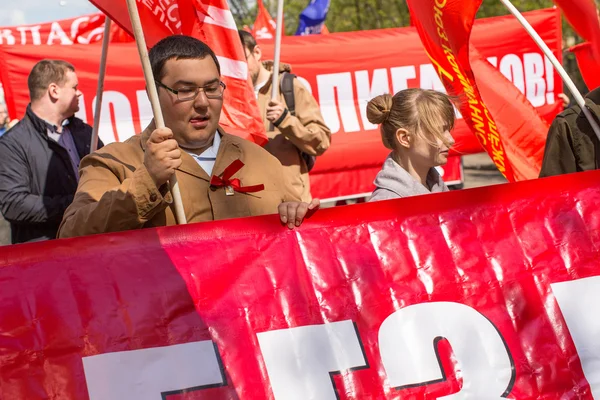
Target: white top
[
  {"x": 206, "y": 160},
  {"x": 258, "y": 87}
]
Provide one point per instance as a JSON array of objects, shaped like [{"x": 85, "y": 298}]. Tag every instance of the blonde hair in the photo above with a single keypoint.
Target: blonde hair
[{"x": 423, "y": 112}]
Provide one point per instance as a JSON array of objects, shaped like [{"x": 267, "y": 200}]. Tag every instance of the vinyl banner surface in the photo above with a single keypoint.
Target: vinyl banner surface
[
  {"x": 477, "y": 294},
  {"x": 342, "y": 70}
]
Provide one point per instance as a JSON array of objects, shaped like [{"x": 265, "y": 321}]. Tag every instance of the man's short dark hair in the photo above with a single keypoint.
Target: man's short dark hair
[
  {"x": 247, "y": 39},
  {"x": 44, "y": 73},
  {"x": 178, "y": 47}
]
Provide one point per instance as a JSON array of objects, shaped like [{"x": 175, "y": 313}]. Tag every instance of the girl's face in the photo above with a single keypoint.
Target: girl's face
[{"x": 429, "y": 150}]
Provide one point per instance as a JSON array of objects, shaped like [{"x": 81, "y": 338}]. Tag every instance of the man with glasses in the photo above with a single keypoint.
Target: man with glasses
[{"x": 125, "y": 185}]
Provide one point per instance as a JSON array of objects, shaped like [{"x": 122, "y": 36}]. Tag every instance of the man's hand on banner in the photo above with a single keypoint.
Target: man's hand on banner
[
  {"x": 293, "y": 213},
  {"x": 276, "y": 112},
  {"x": 162, "y": 156}
]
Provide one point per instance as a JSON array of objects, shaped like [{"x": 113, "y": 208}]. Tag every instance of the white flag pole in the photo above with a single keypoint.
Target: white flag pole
[
  {"x": 153, "y": 94},
  {"x": 278, "y": 33},
  {"x": 563, "y": 74},
  {"x": 100, "y": 90}
]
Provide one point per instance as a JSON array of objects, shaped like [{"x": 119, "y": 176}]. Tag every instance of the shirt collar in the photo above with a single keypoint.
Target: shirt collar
[
  {"x": 53, "y": 128},
  {"x": 211, "y": 152}
]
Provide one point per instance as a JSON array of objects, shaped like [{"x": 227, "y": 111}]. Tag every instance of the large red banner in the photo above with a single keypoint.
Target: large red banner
[
  {"x": 341, "y": 78},
  {"x": 477, "y": 294}
]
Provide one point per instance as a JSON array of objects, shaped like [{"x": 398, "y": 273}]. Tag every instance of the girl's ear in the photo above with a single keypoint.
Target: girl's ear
[{"x": 404, "y": 138}]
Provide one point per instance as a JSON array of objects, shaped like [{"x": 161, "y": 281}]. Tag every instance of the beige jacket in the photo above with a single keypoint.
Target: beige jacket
[
  {"x": 305, "y": 132},
  {"x": 116, "y": 193}
]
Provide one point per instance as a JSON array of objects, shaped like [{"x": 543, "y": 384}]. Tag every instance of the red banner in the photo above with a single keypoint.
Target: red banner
[
  {"x": 477, "y": 294},
  {"x": 342, "y": 85}
]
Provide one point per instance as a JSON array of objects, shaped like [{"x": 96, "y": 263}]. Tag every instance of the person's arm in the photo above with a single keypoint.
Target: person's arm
[
  {"x": 559, "y": 156},
  {"x": 307, "y": 130},
  {"x": 17, "y": 203},
  {"x": 103, "y": 203}
]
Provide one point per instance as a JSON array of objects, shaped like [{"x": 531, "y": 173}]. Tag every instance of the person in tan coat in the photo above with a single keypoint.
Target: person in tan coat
[
  {"x": 293, "y": 139},
  {"x": 125, "y": 185}
]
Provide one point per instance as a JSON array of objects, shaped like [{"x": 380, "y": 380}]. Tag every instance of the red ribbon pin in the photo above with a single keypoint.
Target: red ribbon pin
[{"x": 226, "y": 180}]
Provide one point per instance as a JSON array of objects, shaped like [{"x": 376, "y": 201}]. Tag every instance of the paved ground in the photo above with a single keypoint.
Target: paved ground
[{"x": 479, "y": 171}]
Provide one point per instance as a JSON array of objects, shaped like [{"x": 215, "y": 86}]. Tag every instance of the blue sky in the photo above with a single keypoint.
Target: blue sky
[{"x": 20, "y": 12}]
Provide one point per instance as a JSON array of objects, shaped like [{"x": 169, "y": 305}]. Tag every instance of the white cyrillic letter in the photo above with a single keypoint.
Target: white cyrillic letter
[
  {"x": 367, "y": 90},
  {"x": 578, "y": 301},
  {"x": 6, "y": 37},
  {"x": 36, "y": 37},
  {"x": 57, "y": 32},
  {"x": 337, "y": 89},
  {"x": 144, "y": 107},
  {"x": 299, "y": 360},
  {"x": 534, "y": 77},
  {"x": 401, "y": 76},
  {"x": 148, "y": 373},
  {"x": 512, "y": 68},
  {"x": 118, "y": 104},
  {"x": 407, "y": 345},
  {"x": 430, "y": 79}
]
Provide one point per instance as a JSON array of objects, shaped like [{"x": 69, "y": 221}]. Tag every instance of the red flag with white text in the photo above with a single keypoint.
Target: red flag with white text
[
  {"x": 213, "y": 23},
  {"x": 264, "y": 26},
  {"x": 504, "y": 121}
]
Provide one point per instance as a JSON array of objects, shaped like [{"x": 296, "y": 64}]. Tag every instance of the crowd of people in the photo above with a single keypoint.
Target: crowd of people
[{"x": 51, "y": 186}]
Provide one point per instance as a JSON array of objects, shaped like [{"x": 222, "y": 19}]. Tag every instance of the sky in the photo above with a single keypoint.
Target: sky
[{"x": 20, "y": 12}]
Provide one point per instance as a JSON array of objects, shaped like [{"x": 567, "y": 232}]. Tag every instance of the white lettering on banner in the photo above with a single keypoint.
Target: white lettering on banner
[
  {"x": 57, "y": 32},
  {"x": 152, "y": 374},
  {"x": 407, "y": 343},
  {"x": 117, "y": 103},
  {"x": 335, "y": 92},
  {"x": 75, "y": 27},
  {"x": 493, "y": 61},
  {"x": 366, "y": 90},
  {"x": 536, "y": 83},
  {"x": 512, "y": 68},
  {"x": 36, "y": 37},
  {"x": 550, "y": 98},
  {"x": 300, "y": 360},
  {"x": 401, "y": 76},
  {"x": 6, "y": 37},
  {"x": 430, "y": 79},
  {"x": 575, "y": 300},
  {"x": 144, "y": 107}
]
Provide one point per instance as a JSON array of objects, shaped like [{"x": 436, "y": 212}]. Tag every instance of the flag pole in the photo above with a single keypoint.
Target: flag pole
[
  {"x": 559, "y": 68},
  {"x": 278, "y": 32},
  {"x": 153, "y": 94},
  {"x": 100, "y": 90}
]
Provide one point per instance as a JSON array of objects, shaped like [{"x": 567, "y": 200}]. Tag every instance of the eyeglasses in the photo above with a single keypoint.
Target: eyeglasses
[{"x": 187, "y": 93}]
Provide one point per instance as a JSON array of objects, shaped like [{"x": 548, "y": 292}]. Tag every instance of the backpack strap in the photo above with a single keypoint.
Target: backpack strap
[{"x": 287, "y": 90}]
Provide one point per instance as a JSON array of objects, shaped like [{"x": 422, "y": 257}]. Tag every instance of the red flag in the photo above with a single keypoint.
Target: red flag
[
  {"x": 503, "y": 120},
  {"x": 588, "y": 64},
  {"x": 583, "y": 17},
  {"x": 212, "y": 22},
  {"x": 264, "y": 26}
]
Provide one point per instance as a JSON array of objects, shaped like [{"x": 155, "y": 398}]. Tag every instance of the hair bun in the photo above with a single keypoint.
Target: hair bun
[{"x": 379, "y": 108}]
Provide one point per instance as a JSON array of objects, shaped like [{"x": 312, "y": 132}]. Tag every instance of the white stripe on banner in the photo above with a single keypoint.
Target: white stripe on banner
[
  {"x": 219, "y": 17},
  {"x": 233, "y": 68}
]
